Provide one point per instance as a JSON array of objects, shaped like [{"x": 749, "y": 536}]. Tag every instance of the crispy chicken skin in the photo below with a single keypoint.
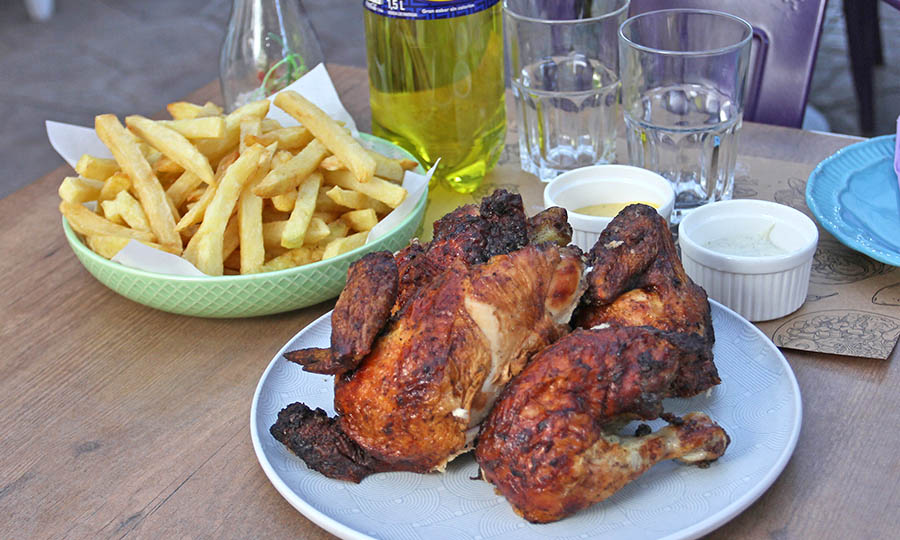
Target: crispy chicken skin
[
  {"x": 637, "y": 280},
  {"x": 325, "y": 448},
  {"x": 470, "y": 308},
  {"x": 549, "y": 445},
  {"x": 435, "y": 374}
]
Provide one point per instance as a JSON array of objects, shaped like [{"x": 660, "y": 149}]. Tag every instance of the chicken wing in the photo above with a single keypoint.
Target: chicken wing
[{"x": 550, "y": 444}]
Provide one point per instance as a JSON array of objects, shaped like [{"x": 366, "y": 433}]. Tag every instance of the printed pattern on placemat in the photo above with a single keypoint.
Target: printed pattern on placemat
[{"x": 758, "y": 404}]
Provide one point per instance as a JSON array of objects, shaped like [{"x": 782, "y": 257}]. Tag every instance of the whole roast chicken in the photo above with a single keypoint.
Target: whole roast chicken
[{"x": 423, "y": 341}]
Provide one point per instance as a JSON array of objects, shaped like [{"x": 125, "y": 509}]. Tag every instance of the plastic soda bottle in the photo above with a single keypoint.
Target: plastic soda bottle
[{"x": 436, "y": 83}]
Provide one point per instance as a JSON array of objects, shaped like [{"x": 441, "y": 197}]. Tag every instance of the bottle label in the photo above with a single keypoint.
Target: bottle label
[{"x": 427, "y": 9}]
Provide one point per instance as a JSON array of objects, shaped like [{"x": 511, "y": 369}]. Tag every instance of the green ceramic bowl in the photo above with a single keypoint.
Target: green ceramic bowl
[{"x": 248, "y": 295}]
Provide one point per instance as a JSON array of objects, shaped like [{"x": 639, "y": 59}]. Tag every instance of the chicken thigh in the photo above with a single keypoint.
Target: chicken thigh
[{"x": 551, "y": 445}]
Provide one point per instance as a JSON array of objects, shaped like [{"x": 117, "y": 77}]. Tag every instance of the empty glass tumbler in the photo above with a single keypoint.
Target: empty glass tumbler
[
  {"x": 563, "y": 62},
  {"x": 684, "y": 75}
]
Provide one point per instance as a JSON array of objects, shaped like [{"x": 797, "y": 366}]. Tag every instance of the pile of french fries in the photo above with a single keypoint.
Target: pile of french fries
[{"x": 232, "y": 193}]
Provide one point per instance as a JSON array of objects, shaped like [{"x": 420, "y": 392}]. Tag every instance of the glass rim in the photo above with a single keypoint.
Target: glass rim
[
  {"x": 699, "y": 52},
  {"x": 615, "y": 13}
]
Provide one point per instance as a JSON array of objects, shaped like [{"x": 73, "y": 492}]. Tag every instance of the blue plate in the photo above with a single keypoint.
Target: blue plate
[{"x": 854, "y": 195}]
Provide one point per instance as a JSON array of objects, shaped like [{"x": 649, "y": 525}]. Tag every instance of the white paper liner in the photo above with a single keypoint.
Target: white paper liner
[{"x": 71, "y": 142}]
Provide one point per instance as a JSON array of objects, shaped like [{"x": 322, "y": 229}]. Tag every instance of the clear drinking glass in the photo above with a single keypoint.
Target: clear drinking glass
[
  {"x": 684, "y": 74},
  {"x": 563, "y": 64},
  {"x": 268, "y": 45}
]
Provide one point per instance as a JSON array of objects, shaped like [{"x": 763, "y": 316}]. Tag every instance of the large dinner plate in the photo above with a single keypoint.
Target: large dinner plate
[
  {"x": 758, "y": 404},
  {"x": 854, "y": 195}
]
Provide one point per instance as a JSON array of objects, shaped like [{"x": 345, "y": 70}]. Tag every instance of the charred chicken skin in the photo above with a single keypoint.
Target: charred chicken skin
[
  {"x": 550, "y": 444},
  {"x": 418, "y": 368},
  {"x": 637, "y": 280}
]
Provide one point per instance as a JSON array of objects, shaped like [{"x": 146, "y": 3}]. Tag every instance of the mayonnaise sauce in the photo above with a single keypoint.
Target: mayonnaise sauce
[{"x": 746, "y": 245}]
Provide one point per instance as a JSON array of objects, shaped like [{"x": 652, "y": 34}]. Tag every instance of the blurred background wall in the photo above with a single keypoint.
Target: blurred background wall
[{"x": 134, "y": 56}]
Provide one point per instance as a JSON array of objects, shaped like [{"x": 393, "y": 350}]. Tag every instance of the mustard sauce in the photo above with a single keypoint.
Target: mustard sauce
[{"x": 609, "y": 209}]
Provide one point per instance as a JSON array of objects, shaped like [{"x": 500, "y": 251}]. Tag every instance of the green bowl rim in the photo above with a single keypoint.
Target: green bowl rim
[{"x": 78, "y": 245}]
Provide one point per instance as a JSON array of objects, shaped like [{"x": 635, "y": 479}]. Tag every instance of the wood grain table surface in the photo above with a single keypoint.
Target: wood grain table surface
[{"x": 119, "y": 420}]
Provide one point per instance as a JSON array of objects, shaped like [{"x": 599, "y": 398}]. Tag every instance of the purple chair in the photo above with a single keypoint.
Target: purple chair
[
  {"x": 785, "y": 42},
  {"x": 864, "y": 45}
]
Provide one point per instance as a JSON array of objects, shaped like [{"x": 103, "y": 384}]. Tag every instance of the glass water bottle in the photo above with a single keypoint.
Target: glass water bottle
[{"x": 268, "y": 45}]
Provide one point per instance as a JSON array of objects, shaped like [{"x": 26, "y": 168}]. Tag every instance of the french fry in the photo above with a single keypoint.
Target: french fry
[
  {"x": 108, "y": 246},
  {"x": 285, "y": 201},
  {"x": 287, "y": 176},
  {"x": 295, "y": 230},
  {"x": 272, "y": 231},
  {"x": 317, "y": 231},
  {"x": 128, "y": 209},
  {"x": 216, "y": 149},
  {"x": 385, "y": 167},
  {"x": 381, "y": 190},
  {"x": 270, "y": 124},
  {"x": 292, "y": 258},
  {"x": 196, "y": 212},
  {"x": 288, "y": 138},
  {"x": 253, "y": 252},
  {"x": 380, "y": 208},
  {"x": 350, "y": 199},
  {"x": 232, "y": 264},
  {"x": 145, "y": 183},
  {"x": 173, "y": 145},
  {"x": 354, "y": 200},
  {"x": 327, "y": 217},
  {"x": 329, "y": 132},
  {"x": 180, "y": 188},
  {"x": 97, "y": 168},
  {"x": 209, "y": 254},
  {"x": 182, "y": 110},
  {"x": 166, "y": 165},
  {"x": 86, "y": 223},
  {"x": 343, "y": 245},
  {"x": 76, "y": 189},
  {"x": 203, "y": 127},
  {"x": 361, "y": 220},
  {"x": 113, "y": 185},
  {"x": 337, "y": 229},
  {"x": 408, "y": 164},
  {"x": 273, "y": 214},
  {"x": 250, "y": 127},
  {"x": 231, "y": 239},
  {"x": 324, "y": 203}
]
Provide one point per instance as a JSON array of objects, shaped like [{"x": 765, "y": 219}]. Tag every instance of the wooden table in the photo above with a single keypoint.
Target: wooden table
[{"x": 118, "y": 419}]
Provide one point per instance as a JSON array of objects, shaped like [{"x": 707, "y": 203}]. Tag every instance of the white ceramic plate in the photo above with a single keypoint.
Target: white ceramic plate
[{"x": 758, "y": 404}]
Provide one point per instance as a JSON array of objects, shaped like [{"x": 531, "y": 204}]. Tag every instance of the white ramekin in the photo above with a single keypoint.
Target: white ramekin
[
  {"x": 760, "y": 288},
  {"x": 599, "y": 184}
]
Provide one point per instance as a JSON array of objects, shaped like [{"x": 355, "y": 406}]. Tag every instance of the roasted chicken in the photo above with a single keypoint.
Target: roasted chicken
[
  {"x": 637, "y": 280},
  {"x": 424, "y": 341},
  {"x": 551, "y": 444}
]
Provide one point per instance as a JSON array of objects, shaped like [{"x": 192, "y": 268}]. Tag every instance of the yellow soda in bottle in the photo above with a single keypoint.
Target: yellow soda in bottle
[{"x": 436, "y": 83}]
